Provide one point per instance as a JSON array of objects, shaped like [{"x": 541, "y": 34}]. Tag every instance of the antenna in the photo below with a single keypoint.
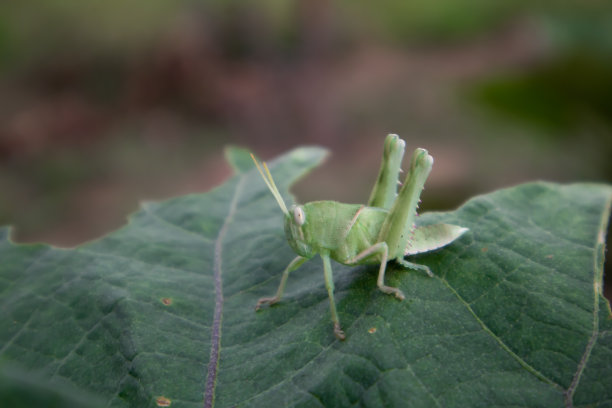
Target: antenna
[{"x": 267, "y": 176}]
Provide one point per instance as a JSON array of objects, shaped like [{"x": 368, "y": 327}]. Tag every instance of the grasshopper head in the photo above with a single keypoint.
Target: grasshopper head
[{"x": 294, "y": 222}]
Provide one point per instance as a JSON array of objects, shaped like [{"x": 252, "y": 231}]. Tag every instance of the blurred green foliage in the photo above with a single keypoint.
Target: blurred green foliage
[
  {"x": 571, "y": 86},
  {"x": 560, "y": 95},
  {"x": 127, "y": 64},
  {"x": 410, "y": 22},
  {"x": 36, "y": 30}
]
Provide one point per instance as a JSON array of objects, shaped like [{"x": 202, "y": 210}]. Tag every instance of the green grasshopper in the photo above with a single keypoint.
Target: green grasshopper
[{"x": 354, "y": 234}]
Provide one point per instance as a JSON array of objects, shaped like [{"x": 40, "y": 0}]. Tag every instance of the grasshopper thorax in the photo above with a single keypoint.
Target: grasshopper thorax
[{"x": 295, "y": 219}]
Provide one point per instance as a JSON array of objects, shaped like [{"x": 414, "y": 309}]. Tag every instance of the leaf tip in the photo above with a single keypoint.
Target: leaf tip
[{"x": 239, "y": 158}]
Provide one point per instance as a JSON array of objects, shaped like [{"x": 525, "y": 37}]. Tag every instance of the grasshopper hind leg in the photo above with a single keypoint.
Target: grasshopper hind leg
[
  {"x": 382, "y": 250},
  {"x": 385, "y": 190},
  {"x": 410, "y": 265}
]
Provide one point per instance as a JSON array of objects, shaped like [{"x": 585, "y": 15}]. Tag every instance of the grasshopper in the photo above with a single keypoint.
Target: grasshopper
[{"x": 354, "y": 234}]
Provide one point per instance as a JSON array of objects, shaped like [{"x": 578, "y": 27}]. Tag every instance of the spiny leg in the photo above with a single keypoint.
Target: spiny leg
[
  {"x": 382, "y": 249},
  {"x": 397, "y": 227},
  {"x": 293, "y": 265},
  {"x": 329, "y": 285},
  {"x": 410, "y": 265},
  {"x": 385, "y": 190}
]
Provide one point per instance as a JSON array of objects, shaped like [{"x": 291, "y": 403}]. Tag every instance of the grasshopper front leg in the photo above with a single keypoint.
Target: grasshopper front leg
[{"x": 293, "y": 265}]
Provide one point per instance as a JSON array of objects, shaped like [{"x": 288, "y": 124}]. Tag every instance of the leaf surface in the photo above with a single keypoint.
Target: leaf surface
[{"x": 162, "y": 311}]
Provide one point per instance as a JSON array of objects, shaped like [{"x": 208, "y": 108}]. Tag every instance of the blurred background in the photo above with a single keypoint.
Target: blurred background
[{"x": 104, "y": 104}]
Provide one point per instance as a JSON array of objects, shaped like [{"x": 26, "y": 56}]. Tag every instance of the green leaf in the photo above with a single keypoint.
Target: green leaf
[
  {"x": 25, "y": 389},
  {"x": 162, "y": 311}
]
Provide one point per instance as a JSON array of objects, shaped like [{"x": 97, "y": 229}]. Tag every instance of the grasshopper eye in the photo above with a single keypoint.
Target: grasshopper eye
[{"x": 299, "y": 216}]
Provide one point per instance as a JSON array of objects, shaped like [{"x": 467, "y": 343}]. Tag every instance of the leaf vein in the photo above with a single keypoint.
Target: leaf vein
[
  {"x": 597, "y": 267},
  {"x": 125, "y": 258},
  {"x": 503, "y": 345},
  {"x": 147, "y": 210}
]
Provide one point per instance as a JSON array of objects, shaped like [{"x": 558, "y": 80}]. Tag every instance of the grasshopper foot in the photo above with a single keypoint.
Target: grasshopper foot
[
  {"x": 266, "y": 300},
  {"x": 338, "y": 332},
  {"x": 428, "y": 271},
  {"x": 393, "y": 291}
]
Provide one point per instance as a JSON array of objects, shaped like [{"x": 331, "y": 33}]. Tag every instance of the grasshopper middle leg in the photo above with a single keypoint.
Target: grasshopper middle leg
[{"x": 329, "y": 285}]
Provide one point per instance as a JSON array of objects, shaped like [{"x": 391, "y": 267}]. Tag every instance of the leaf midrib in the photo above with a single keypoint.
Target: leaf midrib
[{"x": 215, "y": 337}]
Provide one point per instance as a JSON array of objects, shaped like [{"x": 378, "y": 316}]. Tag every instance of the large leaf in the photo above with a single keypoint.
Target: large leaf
[{"x": 162, "y": 311}]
